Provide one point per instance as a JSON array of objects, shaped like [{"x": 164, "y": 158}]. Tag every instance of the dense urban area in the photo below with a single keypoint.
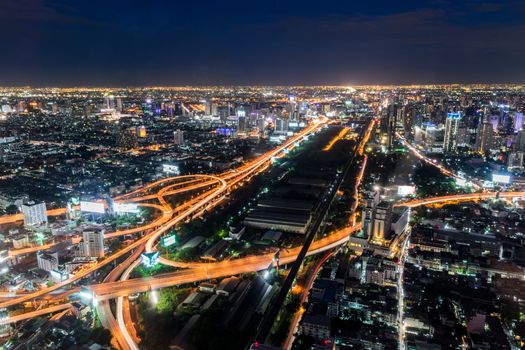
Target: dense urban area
[{"x": 327, "y": 217}]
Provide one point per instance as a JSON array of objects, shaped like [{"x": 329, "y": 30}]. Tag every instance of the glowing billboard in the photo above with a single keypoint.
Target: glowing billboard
[
  {"x": 125, "y": 208},
  {"x": 454, "y": 115},
  {"x": 406, "y": 190},
  {"x": 150, "y": 259},
  {"x": 168, "y": 241},
  {"x": 92, "y": 207},
  {"x": 501, "y": 178},
  {"x": 171, "y": 169},
  {"x": 461, "y": 182}
]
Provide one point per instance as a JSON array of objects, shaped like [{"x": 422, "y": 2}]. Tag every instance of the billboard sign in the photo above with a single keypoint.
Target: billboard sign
[
  {"x": 501, "y": 178},
  {"x": 406, "y": 190},
  {"x": 92, "y": 207},
  {"x": 168, "y": 241},
  {"x": 125, "y": 208}
]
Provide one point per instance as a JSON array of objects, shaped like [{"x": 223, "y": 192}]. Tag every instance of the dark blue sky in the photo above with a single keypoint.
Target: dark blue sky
[{"x": 119, "y": 43}]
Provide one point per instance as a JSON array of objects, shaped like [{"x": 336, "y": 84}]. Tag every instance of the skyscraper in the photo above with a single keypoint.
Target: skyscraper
[
  {"x": 519, "y": 141},
  {"x": 450, "y": 143},
  {"x": 178, "y": 137},
  {"x": 515, "y": 160},
  {"x": 241, "y": 126},
  {"x": 388, "y": 125},
  {"x": 484, "y": 137}
]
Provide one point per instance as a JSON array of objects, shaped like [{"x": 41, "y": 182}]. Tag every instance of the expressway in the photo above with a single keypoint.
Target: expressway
[
  {"x": 460, "y": 198},
  {"x": 163, "y": 208},
  {"x": 195, "y": 272},
  {"x": 201, "y": 271},
  {"x": 227, "y": 181},
  {"x": 432, "y": 162}
]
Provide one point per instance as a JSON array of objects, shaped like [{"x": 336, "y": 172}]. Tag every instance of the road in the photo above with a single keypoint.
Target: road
[
  {"x": 276, "y": 303},
  {"x": 228, "y": 181},
  {"x": 196, "y": 272},
  {"x": 201, "y": 271},
  {"x": 304, "y": 296},
  {"x": 433, "y": 162}
]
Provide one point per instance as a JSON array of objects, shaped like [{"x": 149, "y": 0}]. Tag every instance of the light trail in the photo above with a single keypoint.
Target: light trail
[
  {"x": 336, "y": 138},
  {"x": 85, "y": 272},
  {"x": 123, "y": 324},
  {"x": 234, "y": 177},
  {"x": 432, "y": 162},
  {"x": 459, "y": 198}
]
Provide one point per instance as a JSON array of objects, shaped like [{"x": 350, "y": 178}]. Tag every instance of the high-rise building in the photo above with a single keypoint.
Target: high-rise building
[
  {"x": 450, "y": 142},
  {"x": 34, "y": 213},
  {"x": 178, "y": 137},
  {"x": 381, "y": 221},
  {"x": 211, "y": 108},
  {"x": 92, "y": 243},
  {"x": 241, "y": 125},
  {"x": 388, "y": 125},
  {"x": 281, "y": 126},
  {"x": 109, "y": 102},
  {"x": 119, "y": 104},
  {"x": 515, "y": 160},
  {"x": 141, "y": 131},
  {"x": 368, "y": 212},
  {"x": 47, "y": 261},
  {"x": 519, "y": 141},
  {"x": 484, "y": 137}
]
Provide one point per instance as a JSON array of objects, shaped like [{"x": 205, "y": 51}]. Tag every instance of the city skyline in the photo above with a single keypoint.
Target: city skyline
[{"x": 57, "y": 43}]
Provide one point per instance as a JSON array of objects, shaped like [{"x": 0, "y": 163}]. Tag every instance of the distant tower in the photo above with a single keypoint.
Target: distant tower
[
  {"x": 241, "y": 126},
  {"x": 109, "y": 102},
  {"x": 450, "y": 143},
  {"x": 388, "y": 124},
  {"x": 178, "y": 137},
  {"x": 484, "y": 137}
]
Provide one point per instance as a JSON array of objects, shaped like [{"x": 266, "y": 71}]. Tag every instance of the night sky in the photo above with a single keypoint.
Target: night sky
[{"x": 250, "y": 42}]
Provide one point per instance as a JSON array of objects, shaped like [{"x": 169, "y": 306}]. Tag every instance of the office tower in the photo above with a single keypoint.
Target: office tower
[
  {"x": 210, "y": 108},
  {"x": 368, "y": 213},
  {"x": 47, "y": 261},
  {"x": 518, "y": 121},
  {"x": 515, "y": 160},
  {"x": 119, "y": 104},
  {"x": 408, "y": 120},
  {"x": 34, "y": 213},
  {"x": 109, "y": 102},
  {"x": 484, "y": 137},
  {"x": 241, "y": 125},
  {"x": 178, "y": 137},
  {"x": 388, "y": 125},
  {"x": 92, "y": 244},
  {"x": 261, "y": 124},
  {"x": 463, "y": 137},
  {"x": 141, "y": 131},
  {"x": 451, "y": 132},
  {"x": 281, "y": 126},
  {"x": 519, "y": 141}
]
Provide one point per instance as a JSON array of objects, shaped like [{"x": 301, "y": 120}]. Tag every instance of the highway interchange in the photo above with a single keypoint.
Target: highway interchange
[{"x": 211, "y": 190}]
